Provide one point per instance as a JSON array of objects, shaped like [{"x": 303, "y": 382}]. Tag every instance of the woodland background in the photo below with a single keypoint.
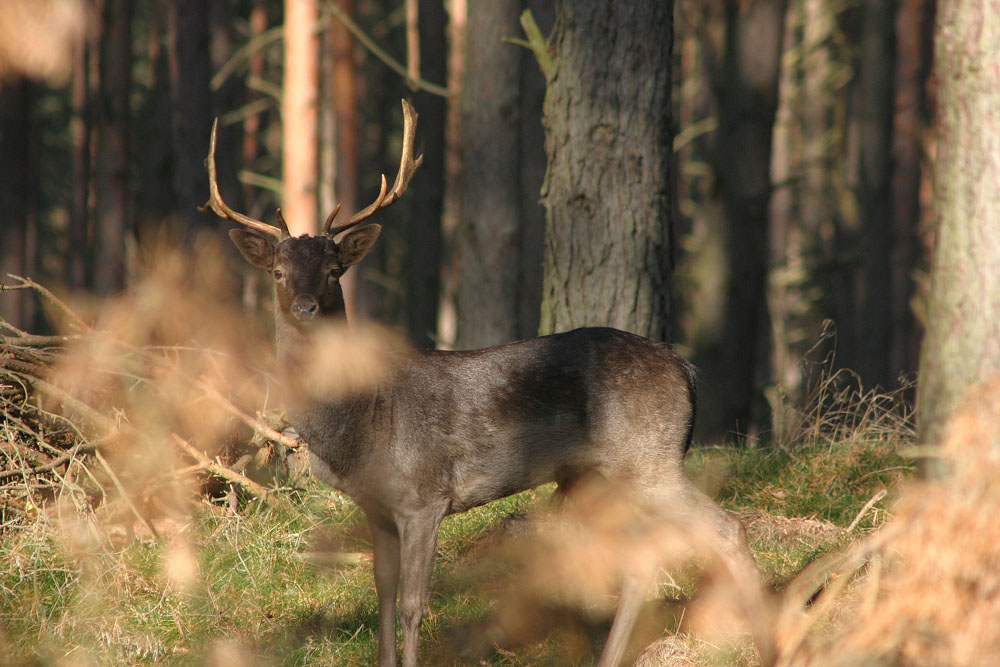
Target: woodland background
[{"x": 793, "y": 211}]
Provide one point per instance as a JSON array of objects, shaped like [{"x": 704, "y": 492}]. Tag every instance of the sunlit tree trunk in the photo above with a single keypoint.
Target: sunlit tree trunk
[
  {"x": 299, "y": 120},
  {"x": 607, "y": 188},
  {"x": 962, "y": 346}
]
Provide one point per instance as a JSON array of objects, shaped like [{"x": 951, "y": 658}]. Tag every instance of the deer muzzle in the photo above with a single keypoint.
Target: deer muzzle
[{"x": 304, "y": 307}]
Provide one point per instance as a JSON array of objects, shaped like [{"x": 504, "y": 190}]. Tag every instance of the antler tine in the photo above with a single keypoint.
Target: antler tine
[
  {"x": 330, "y": 218},
  {"x": 221, "y": 209},
  {"x": 364, "y": 213},
  {"x": 408, "y": 165},
  {"x": 283, "y": 226}
]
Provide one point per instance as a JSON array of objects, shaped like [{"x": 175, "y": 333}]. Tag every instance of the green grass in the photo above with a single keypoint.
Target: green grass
[{"x": 262, "y": 592}]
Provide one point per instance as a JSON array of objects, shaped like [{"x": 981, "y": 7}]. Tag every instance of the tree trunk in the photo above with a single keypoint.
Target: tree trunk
[
  {"x": 914, "y": 48},
  {"x": 488, "y": 235},
  {"x": 531, "y": 170},
  {"x": 16, "y": 190},
  {"x": 608, "y": 242},
  {"x": 191, "y": 109},
  {"x": 421, "y": 268},
  {"x": 252, "y": 125},
  {"x": 77, "y": 260},
  {"x": 342, "y": 143},
  {"x": 113, "y": 176},
  {"x": 299, "y": 117},
  {"x": 447, "y": 324},
  {"x": 873, "y": 118},
  {"x": 962, "y": 347},
  {"x": 748, "y": 101}
]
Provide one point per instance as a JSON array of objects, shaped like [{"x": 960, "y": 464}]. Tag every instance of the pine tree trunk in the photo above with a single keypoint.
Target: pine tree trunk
[
  {"x": 77, "y": 264},
  {"x": 488, "y": 235},
  {"x": 531, "y": 170},
  {"x": 16, "y": 109},
  {"x": 299, "y": 120},
  {"x": 607, "y": 188},
  {"x": 189, "y": 70},
  {"x": 113, "y": 176},
  {"x": 962, "y": 346},
  {"x": 748, "y": 101},
  {"x": 423, "y": 231},
  {"x": 914, "y": 48},
  {"x": 873, "y": 117}
]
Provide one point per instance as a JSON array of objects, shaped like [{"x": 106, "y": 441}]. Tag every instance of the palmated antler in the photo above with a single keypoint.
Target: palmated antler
[
  {"x": 408, "y": 165},
  {"x": 221, "y": 209}
]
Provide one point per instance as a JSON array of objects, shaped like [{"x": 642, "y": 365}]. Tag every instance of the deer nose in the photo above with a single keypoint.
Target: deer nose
[{"x": 304, "y": 307}]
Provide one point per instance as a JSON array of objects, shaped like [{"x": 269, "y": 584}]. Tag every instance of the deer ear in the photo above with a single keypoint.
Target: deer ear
[
  {"x": 255, "y": 249},
  {"x": 357, "y": 242}
]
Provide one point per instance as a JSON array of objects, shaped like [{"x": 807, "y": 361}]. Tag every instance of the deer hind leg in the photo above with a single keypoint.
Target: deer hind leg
[
  {"x": 418, "y": 542},
  {"x": 730, "y": 538},
  {"x": 635, "y": 585}
]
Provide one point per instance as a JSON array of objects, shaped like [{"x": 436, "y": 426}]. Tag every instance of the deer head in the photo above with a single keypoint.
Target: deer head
[{"x": 306, "y": 270}]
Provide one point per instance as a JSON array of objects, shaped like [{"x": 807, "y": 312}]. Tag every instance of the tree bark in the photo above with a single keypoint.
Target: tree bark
[
  {"x": 343, "y": 142},
  {"x": 962, "y": 346},
  {"x": 914, "y": 49},
  {"x": 607, "y": 187},
  {"x": 299, "y": 120},
  {"x": 190, "y": 102},
  {"x": 488, "y": 235},
  {"x": 531, "y": 251},
  {"x": 77, "y": 260},
  {"x": 113, "y": 176},
  {"x": 873, "y": 120},
  {"x": 15, "y": 196},
  {"x": 748, "y": 102},
  {"x": 421, "y": 267}
]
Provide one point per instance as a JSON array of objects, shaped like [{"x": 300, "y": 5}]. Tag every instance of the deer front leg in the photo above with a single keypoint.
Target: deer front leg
[
  {"x": 418, "y": 537},
  {"x": 385, "y": 540}
]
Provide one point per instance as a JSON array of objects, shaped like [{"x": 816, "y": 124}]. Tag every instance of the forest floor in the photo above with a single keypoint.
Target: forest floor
[
  {"x": 233, "y": 580},
  {"x": 123, "y": 543}
]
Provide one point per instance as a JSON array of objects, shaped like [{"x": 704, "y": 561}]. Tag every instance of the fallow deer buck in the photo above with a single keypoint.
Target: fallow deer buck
[{"x": 444, "y": 432}]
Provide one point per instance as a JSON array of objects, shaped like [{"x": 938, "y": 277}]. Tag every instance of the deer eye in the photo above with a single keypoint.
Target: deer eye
[
  {"x": 278, "y": 274},
  {"x": 335, "y": 273}
]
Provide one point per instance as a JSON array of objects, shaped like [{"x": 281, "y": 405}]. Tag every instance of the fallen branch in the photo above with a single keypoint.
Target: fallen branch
[
  {"x": 74, "y": 319},
  {"x": 258, "y": 426},
  {"x": 253, "y": 488},
  {"x": 51, "y": 465}
]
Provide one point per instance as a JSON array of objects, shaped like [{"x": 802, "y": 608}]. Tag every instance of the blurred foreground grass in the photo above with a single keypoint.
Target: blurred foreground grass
[
  {"x": 130, "y": 532},
  {"x": 290, "y": 583}
]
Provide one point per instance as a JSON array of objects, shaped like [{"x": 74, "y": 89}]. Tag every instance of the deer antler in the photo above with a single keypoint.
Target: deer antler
[
  {"x": 408, "y": 165},
  {"x": 221, "y": 209}
]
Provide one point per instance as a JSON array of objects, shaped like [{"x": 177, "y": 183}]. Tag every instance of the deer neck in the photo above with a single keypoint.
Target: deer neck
[{"x": 336, "y": 427}]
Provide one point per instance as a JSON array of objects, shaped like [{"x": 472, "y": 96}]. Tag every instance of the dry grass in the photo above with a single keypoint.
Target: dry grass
[
  {"x": 132, "y": 531},
  {"x": 931, "y": 592}
]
